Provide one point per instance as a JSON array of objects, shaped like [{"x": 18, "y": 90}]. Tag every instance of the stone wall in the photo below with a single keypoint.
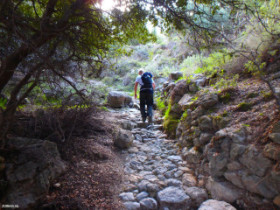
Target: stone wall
[{"x": 224, "y": 154}]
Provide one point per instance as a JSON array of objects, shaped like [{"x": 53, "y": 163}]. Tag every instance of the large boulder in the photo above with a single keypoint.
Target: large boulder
[
  {"x": 31, "y": 171},
  {"x": 200, "y": 80},
  {"x": 118, "y": 99},
  {"x": 185, "y": 102},
  {"x": 122, "y": 138},
  {"x": 178, "y": 91},
  {"x": 207, "y": 100},
  {"x": 205, "y": 123},
  {"x": 254, "y": 160},
  {"x": 173, "y": 198},
  {"x": 192, "y": 156},
  {"x": 224, "y": 191}
]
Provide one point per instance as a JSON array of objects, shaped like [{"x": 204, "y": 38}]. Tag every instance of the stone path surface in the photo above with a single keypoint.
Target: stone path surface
[{"x": 156, "y": 177}]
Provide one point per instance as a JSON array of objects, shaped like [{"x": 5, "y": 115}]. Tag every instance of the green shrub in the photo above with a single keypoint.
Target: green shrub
[
  {"x": 190, "y": 64},
  {"x": 227, "y": 82},
  {"x": 213, "y": 63},
  {"x": 170, "y": 125},
  {"x": 160, "y": 105},
  {"x": 167, "y": 112},
  {"x": 184, "y": 116},
  {"x": 170, "y": 122},
  {"x": 3, "y": 102}
]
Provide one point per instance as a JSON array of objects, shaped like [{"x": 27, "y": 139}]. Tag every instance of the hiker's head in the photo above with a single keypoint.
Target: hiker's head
[{"x": 141, "y": 71}]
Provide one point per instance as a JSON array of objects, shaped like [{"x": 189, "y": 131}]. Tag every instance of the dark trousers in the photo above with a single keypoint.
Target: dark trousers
[{"x": 146, "y": 98}]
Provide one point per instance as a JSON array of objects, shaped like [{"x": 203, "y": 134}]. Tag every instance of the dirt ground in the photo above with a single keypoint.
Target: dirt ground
[{"x": 94, "y": 175}]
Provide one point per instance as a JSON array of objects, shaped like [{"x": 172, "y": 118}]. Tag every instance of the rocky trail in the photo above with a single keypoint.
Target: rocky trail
[{"x": 156, "y": 177}]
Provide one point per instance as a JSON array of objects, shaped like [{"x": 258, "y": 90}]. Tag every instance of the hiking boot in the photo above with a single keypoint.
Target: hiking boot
[
  {"x": 150, "y": 119},
  {"x": 143, "y": 119}
]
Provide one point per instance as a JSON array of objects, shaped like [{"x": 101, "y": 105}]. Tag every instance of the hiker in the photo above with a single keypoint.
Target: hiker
[{"x": 147, "y": 86}]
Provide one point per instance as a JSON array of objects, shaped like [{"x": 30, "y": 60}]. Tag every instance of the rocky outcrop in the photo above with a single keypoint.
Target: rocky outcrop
[
  {"x": 36, "y": 163},
  {"x": 118, "y": 99}
]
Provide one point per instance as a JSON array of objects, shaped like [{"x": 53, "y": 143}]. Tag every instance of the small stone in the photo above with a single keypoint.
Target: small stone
[
  {"x": 191, "y": 155},
  {"x": 173, "y": 198},
  {"x": 189, "y": 180},
  {"x": 160, "y": 170},
  {"x": 122, "y": 139},
  {"x": 151, "y": 177},
  {"x": 136, "y": 165},
  {"x": 133, "y": 150},
  {"x": 138, "y": 137},
  {"x": 185, "y": 169},
  {"x": 142, "y": 186},
  {"x": 161, "y": 177},
  {"x": 142, "y": 195},
  {"x": 169, "y": 174},
  {"x": 152, "y": 189},
  {"x": 173, "y": 182},
  {"x": 175, "y": 158},
  {"x": 145, "y": 140},
  {"x": 142, "y": 158},
  {"x": 178, "y": 174},
  {"x": 272, "y": 151},
  {"x": 215, "y": 205},
  {"x": 57, "y": 185},
  {"x": 233, "y": 166},
  {"x": 127, "y": 196},
  {"x": 236, "y": 150},
  {"x": 198, "y": 195},
  {"x": 148, "y": 204},
  {"x": 132, "y": 205},
  {"x": 129, "y": 187}
]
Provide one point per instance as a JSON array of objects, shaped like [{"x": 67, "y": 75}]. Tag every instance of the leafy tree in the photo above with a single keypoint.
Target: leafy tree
[{"x": 50, "y": 40}]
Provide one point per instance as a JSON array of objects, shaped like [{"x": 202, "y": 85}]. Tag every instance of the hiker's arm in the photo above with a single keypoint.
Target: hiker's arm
[
  {"x": 135, "y": 90},
  {"x": 154, "y": 85}
]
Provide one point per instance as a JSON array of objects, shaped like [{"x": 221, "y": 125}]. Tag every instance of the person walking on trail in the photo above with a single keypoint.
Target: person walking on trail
[{"x": 147, "y": 86}]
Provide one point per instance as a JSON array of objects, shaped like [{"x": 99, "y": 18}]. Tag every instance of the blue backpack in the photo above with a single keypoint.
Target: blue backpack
[{"x": 147, "y": 81}]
